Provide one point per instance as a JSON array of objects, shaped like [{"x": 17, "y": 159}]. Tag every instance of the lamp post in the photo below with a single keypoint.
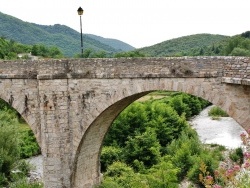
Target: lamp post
[{"x": 80, "y": 13}]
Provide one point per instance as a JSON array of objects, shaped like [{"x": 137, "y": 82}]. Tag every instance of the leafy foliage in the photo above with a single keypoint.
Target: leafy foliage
[
  {"x": 217, "y": 112},
  {"x": 11, "y": 49},
  {"x": 28, "y": 145},
  {"x": 237, "y": 156},
  {"x": 153, "y": 146},
  {"x": 9, "y": 152},
  {"x": 143, "y": 147},
  {"x": 109, "y": 155},
  {"x": 129, "y": 54},
  {"x": 12, "y": 147}
]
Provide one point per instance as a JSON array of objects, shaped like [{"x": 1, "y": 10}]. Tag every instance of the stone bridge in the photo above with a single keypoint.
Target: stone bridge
[{"x": 70, "y": 103}]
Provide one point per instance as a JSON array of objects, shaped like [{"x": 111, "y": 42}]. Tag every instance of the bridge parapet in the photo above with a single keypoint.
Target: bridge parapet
[{"x": 163, "y": 67}]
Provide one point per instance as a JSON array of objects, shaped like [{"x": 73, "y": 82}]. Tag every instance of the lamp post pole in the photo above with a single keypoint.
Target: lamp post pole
[{"x": 80, "y": 13}]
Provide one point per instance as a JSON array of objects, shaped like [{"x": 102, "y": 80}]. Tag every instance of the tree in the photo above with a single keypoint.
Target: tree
[
  {"x": 240, "y": 52},
  {"x": 166, "y": 122},
  {"x": 130, "y": 54},
  {"x": 164, "y": 174},
  {"x": 180, "y": 107},
  {"x": 130, "y": 121},
  {"x": 109, "y": 155},
  {"x": 144, "y": 147}
]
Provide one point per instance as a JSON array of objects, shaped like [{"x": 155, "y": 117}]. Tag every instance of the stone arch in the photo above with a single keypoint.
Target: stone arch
[
  {"x": 86, "y": 167},
  {"x": 24, "y": 100}
]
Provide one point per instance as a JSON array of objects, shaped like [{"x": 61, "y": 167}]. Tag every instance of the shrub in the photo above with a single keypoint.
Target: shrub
[
  {"x": 164, "y": 174},
  {"x": 143, "y": 147},
  {"x": 28, "y": 144},
  {"x": 183, "y": 150},
  {"x": 180, "y": 107},
  {"x": 166, "y": 122},
  {"x": 109, "y": 155},
  {"x": 237, "y": 155},
  {"x": 9, "y": 152},
  {"x": 217, "y": 112}
]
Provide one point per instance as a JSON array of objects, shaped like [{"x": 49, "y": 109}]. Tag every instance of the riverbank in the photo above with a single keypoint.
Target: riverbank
[
  {"x": 225, "y": 131},
  {"x": 36, "y": 174}
]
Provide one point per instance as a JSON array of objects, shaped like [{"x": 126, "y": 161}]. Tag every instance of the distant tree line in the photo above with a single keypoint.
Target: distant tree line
[
  {"x": 9, "y": 49},
  {"x": 238, "y": 45}
]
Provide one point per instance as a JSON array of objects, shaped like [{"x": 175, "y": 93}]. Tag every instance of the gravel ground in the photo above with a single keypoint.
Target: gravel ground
[{"x": 36, "y": 174}]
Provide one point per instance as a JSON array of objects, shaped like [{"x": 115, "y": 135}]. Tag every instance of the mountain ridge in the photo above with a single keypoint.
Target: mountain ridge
[
  {"x": 178, "y": 45},
  {"x": 64, "y": 37}
]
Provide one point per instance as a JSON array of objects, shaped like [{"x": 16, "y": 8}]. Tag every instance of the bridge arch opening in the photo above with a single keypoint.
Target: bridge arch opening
[
  {"x": 20, "y": 108},
  {"x": 87, "y": 164},
  {"x": 17, "y": 142}
]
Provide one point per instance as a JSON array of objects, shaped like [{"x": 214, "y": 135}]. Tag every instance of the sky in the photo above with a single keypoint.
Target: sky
[{"x": 139, "y": 23}]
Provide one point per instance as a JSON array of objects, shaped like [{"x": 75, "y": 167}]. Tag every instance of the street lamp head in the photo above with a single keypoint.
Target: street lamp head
[{"x": 80, "y": 11}]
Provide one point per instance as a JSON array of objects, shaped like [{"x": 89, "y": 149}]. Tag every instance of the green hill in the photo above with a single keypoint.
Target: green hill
[
  {"x": 61, "y": 36},
  {"x": 183, "y": 45}
]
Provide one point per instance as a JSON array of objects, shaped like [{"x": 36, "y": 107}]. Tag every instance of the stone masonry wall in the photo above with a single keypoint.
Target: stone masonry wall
[{"x": 234, "y": 67}]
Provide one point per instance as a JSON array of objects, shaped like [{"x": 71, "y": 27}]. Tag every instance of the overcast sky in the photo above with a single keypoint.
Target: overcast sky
[{"x": 139, "y": 23}]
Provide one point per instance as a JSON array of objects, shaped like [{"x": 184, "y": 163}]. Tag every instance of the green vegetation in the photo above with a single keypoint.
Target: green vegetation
[
  {"x": 129, "y": 54},
  {"x": 237, "y": 156},
  {"x": 62, "y": 41},
  {"x": 201, "y": 45},
  {"x": 216, "y": 112},
  {"x": 16, "y": 142},
  {"x": 10, "y": 49},
  {"x": 64, "y": 38},
  {"x": 150, "y": 144},
  {"x": 192, "y": 45}
]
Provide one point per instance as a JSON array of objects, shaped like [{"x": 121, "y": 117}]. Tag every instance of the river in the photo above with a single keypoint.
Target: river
[{"x": 225, "y": 131}]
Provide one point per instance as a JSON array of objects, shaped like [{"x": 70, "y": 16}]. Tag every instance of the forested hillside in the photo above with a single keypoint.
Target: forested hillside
[
  {"x": 201, "y": 45},
  {"x": 65, "y": 38},
  {"x": 183, "y": 45},
  {"x": 67, "y": 43}
]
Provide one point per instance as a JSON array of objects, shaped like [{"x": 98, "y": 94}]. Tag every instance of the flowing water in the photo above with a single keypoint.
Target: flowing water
[{"x": 225, "y": 131}]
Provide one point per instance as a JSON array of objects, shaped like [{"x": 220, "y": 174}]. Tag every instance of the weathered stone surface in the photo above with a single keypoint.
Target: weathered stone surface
[{"x": 70, "y": 104}]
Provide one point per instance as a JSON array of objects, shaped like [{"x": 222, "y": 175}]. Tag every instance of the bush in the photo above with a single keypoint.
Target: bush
[
  {"x": 9, "y": 152},
  {"x": 109, "y": 155},
  {"x": 143, "y": 147},
  {"x": 237, "y": 155},
  {"x": 166, "y": 122},
  {"x": 28, "y": 144},
  {"x": 180, "y": 107},
  {"x": 206, "y": 158},
  {"x": 188, "y": 104},
  {"x": 217, "y": 112},
  {"x": 164, "y": 174},
  {"x": 130, "y": 121}
]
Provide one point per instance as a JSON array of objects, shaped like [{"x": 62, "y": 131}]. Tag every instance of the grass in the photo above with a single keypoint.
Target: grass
[{"x": 216, "y": 112}]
